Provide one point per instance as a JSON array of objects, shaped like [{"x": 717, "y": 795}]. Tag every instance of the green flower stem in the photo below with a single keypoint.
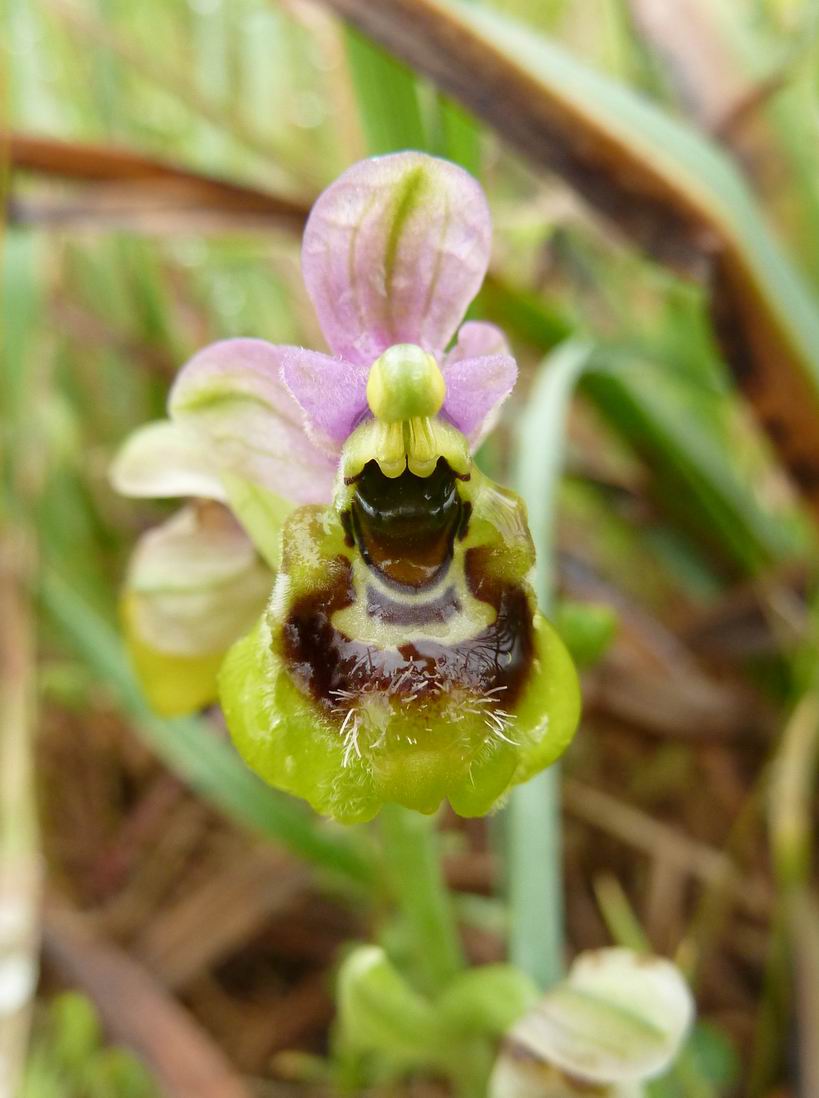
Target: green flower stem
[
  {"x": 414, "y": 871},
  {"x": 533, "y": 814}
]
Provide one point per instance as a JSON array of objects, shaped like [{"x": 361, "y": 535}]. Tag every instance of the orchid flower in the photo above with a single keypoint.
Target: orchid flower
[
  {"x": 400, "y": 655},
  {"x": 618, "y": 1020}
]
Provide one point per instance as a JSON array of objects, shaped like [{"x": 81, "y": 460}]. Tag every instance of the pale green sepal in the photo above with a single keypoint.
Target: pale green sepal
[
  {"x": 165, "y": 459},
  {"x": 514, "y": 1077},
  {"x": 379, "y": 1012},
  {"x": 194, "y": 585},
  {"x": 261, "y": 512},
  {"x": 175, "y": 686}
]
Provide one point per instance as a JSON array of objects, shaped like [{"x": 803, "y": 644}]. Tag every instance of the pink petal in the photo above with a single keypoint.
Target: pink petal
[
  {"x": 477, "y": 339},
  {"x": 475, "y": 389},
  {"x": 232, "y": 394},
  {"x": 393, "y": 252},
  {"x": 331, "y": 393}
]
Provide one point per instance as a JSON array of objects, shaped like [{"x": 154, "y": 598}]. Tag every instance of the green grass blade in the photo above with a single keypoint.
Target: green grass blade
[
  {"x": 694, "y": 476},
  {"x": 539, "y": 452},
  {"x": 693, "y": 471},
  {"x": 387, "y": 95},
  {"x": 459, "y": 137},
  {"x": 533, "y": 813}
]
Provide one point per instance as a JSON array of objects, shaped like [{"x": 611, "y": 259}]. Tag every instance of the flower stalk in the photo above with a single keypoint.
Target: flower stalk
[{"x": 411, "y": 850}]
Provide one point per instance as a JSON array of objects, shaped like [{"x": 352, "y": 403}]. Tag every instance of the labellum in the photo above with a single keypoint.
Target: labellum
[{"x": 401, "y": 657}]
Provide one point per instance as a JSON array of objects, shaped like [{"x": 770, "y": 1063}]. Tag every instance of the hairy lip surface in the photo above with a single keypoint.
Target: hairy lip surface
[{"x": 493, "y": 663}]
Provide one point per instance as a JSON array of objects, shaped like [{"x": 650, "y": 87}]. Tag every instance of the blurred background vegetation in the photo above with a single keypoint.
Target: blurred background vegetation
[{"x": 157, "y": 160}]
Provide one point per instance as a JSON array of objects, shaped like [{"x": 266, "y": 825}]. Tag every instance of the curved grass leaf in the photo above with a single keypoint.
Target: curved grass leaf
[
  {"x": 692, "y": 474},
  {"x": 743, "y": 84},
  {"x": 135, "y": 189},
  {"x": 533, "y": 813}
]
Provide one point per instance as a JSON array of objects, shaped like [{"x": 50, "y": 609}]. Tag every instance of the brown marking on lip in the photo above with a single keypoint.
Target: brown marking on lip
[
  {"x": 405, "y": 529},
  {"x": 492, "y": 664}
]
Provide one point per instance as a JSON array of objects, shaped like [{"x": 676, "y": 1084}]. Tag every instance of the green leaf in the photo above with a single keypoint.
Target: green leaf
[
  {"x": 694, "y": 475},
  {"x": 708, "y": 1065},
  {"x": 387, "y": 96},
  {"x": 587, "y": 629},
  {"x": 487, "y": 1000}
]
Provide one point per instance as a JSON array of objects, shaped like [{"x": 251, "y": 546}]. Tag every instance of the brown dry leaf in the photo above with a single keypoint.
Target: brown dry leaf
[
  {"x": 123, "y": 187},
  {"x": 235, "y": 905}
]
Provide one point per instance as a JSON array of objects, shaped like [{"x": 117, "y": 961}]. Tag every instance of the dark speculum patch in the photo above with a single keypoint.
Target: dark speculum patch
[{"x": 405, "y": 527}]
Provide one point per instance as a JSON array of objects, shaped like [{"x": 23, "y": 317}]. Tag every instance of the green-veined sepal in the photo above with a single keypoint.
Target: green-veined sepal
[{"x": 195, "y": 584}]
